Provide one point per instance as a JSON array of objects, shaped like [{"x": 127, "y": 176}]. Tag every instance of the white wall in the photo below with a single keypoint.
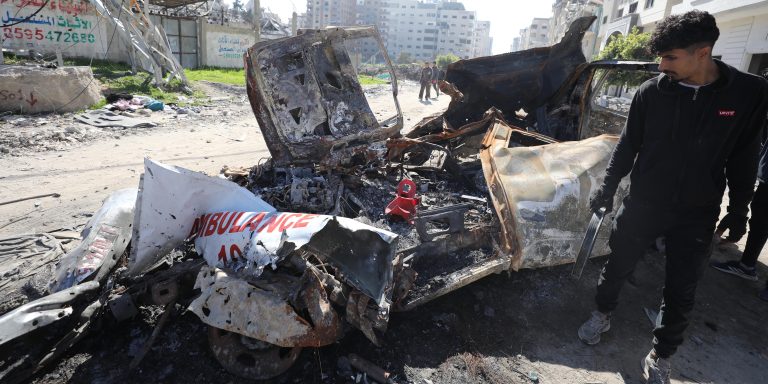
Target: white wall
[
  {"x": 73, "y": 27},
  {"x": 224, "y": 46},
  {"x": 732, "y": 43}
]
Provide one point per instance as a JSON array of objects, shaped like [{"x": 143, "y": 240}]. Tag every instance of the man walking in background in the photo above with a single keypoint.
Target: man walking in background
[
  {"x": 425, "y": 80},
  {"x": 435, "y": 78},
  {"x": 689, "y": 130}
]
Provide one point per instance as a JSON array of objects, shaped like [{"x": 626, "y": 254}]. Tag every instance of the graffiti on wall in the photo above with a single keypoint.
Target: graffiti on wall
[
  {"x": 15, "y": 97},
  {"x": 71, "y": 26},
  {"x": 227, "y": 49}
]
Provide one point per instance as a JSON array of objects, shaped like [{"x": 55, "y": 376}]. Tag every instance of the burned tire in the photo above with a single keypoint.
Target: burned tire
[{"x": 250, "y": 358}]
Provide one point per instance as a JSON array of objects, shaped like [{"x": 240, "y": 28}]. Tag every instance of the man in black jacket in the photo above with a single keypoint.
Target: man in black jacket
[
  {"x": 689, "y": 130},
  {"x": 425, "y": 80},
  {"x": 435, "y": 78}
]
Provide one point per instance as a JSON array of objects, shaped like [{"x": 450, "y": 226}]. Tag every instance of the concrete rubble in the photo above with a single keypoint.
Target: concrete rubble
[
  {"x": 299, "y": 251},
  {"x": 32, "y": 90}
]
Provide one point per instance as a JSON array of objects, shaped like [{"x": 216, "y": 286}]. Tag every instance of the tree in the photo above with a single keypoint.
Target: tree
[
  {"x": 443, "y": 60},
  {"x": 404, "y": 58},
  {"x": 237, "y": 6},
  {"x": 633, "y": 46}
]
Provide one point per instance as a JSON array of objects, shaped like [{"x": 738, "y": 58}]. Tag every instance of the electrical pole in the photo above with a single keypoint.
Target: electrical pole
[{"x": 257, "y": 19}]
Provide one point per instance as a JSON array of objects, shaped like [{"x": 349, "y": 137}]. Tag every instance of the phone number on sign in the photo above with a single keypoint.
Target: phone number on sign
[{"x": 39, "y": 34}]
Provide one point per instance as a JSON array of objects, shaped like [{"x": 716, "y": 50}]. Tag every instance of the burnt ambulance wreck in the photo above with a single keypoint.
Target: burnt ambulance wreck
[{"x": 353, "y": 217}]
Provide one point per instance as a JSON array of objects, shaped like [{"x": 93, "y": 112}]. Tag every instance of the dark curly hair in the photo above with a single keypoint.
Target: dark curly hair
[{"x": 693, "y": 28}]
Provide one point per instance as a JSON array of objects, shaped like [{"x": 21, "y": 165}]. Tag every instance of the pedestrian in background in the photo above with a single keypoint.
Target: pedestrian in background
[
  {"x": 425, "y": 80},
  {"x": 688, "y": 130},
  {"x": 435, "y": 78}
]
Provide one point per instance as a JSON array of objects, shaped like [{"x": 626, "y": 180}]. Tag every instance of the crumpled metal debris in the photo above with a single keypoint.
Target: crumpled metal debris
[
  {"x": 170, "y": 199},
  {"x": 250, "y": 241},
  {"x": 541, "y": 193},
  {"x": 42, "y": 312},
  {"x": 307, "y": 99},
  {"x": 231, "y": 303},
  {"x": 105, "y": 238}
]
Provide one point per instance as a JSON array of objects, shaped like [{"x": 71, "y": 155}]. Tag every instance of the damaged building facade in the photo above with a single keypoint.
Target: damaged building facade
[{"x": 353, "y": 218}]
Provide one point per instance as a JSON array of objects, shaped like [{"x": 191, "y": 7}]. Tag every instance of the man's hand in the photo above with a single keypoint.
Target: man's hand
[
  {"x": 603, "y": 197},
  {"x": 735, "y": 224}
]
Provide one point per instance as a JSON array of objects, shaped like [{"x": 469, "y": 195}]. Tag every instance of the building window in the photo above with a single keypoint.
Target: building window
[
  {"x": 605, "y": 19},
  {"x": 620, "y": 13},
  {"x": 633, "y": 7},
  {"x": 648, "y": 4}
]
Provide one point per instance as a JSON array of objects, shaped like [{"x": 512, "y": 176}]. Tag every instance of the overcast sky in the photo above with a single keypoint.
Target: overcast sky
[{"x": 507, "y": 17}]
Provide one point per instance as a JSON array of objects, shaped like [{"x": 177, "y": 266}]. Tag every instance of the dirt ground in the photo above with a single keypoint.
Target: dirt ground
[{"x": 511, "y": 328}]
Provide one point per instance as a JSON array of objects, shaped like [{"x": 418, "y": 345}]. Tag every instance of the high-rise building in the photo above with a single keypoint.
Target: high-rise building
[
  {"x": 619, "y": 17},
  {"x": 536, "y": 35},
  {"x": 324, "y": 13},
  {"x": 422, "y": 30},
  {"x": 456, "y": 28},
  {"x": 410, "y": 29},
  {"x": 515, "y": 44},
  {"x": 481, "y": 40},
  {"x": 564, "y": 12}
]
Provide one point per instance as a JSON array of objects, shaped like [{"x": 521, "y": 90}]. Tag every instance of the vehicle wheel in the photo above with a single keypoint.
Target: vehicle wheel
[{"x": 248, "y": 357}]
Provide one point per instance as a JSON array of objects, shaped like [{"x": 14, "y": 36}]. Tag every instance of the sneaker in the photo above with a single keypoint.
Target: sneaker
[
  {"x": 736, "y": 268},
  {"x": 656, "y": 370},
  {"x": 590, "y": 331}
]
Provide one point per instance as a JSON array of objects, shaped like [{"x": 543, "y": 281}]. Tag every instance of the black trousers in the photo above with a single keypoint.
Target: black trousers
[
  {"x": 758, "y": 226},
  {"x": 425, "y": 85},
  {"x": 689, "y": 243}
]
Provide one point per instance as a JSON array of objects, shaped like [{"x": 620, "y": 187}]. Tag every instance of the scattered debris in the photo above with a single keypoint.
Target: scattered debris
[
  {"x": 372, "y": 370},
  {"x": 405, "y": 202},
  {"x": 106, "y": 118},
  {"x": 30, "y": 198}
]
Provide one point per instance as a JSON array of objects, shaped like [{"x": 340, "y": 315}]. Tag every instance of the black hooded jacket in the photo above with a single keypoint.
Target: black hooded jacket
[{"x": 681, "y": 144}]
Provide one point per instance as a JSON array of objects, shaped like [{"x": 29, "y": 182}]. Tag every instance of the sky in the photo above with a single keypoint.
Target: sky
[{"x": 507, "y": 17}]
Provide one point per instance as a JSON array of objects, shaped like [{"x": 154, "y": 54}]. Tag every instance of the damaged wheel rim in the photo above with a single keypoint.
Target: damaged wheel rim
[{"x": 250, "y": 358}]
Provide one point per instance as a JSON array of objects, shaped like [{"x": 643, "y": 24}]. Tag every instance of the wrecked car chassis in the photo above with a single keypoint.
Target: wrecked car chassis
[{"x": 300, "y": 251}]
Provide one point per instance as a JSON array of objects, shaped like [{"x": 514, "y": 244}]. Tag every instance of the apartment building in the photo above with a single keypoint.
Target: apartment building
[
  {"x": 456, "y": 28},
  {"x": 564, "y": 12},
  {"x": 535, "y": 35},
  {"x": 410, "y": 28},
  {"x": 428, "y": 28},
  {"x": 324, "y": 13},
  {"x": 482, "y": 40},
  {"x": 515, "y": 45},
  {"x": 620, "y": 16}
]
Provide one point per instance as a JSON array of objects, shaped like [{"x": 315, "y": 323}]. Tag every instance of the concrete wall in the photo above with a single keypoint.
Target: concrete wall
[
  {"x": 72, "y": 26},
  {"x": 224, "y": 46}
]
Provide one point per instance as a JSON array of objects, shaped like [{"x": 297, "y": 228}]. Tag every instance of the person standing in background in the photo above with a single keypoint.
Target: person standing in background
[{"x": 426, "y": 81}]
